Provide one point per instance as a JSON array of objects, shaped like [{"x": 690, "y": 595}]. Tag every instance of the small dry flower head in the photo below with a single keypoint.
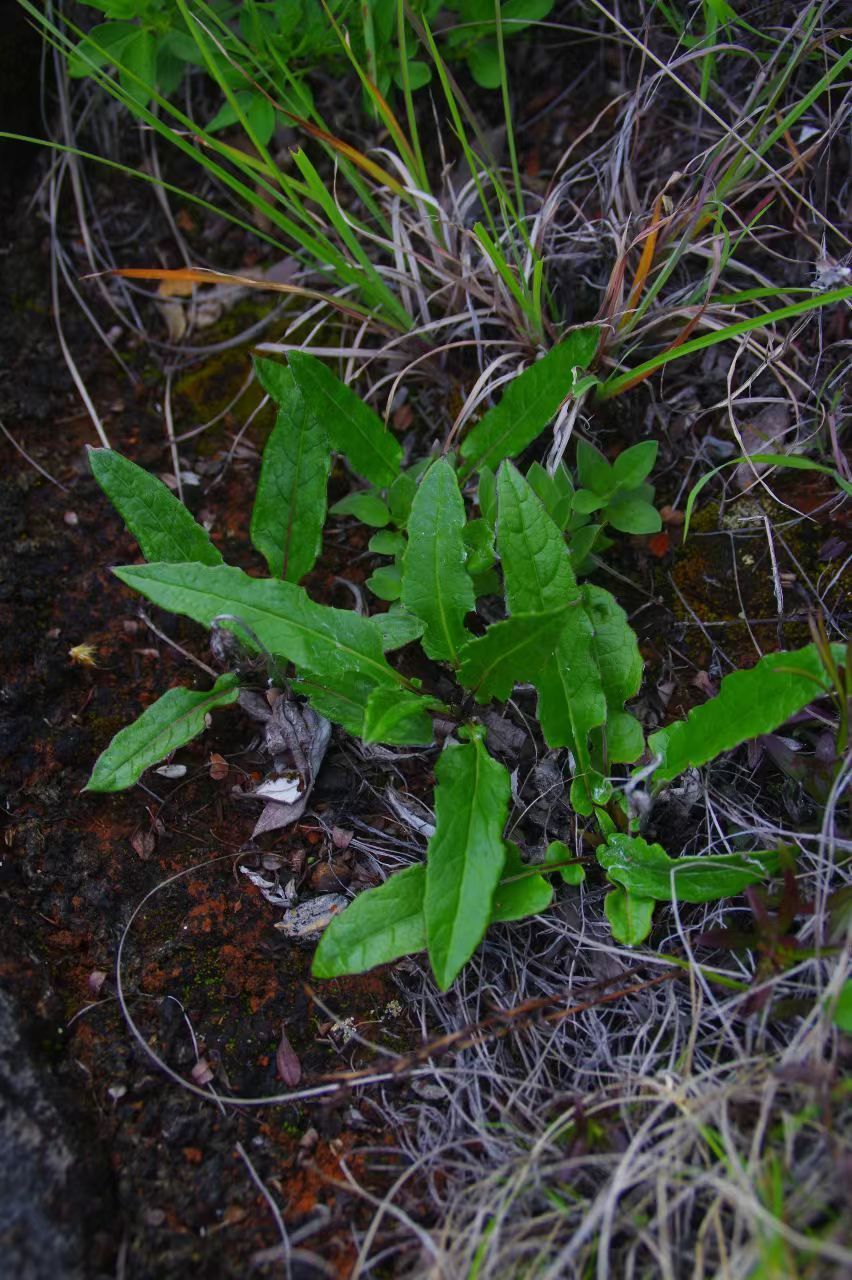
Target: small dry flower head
[{"x": 83, "y": 654}]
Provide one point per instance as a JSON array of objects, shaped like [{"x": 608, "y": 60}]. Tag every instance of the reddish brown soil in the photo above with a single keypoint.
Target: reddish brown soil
[{"x": 159, "y": 1183}]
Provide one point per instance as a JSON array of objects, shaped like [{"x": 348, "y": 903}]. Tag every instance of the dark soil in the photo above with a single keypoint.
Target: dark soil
[{"x": 119, "y": 1171}]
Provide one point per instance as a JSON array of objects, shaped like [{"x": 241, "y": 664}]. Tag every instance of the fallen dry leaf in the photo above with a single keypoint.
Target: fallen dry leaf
[
  {"x": 219, "y": 767},
  {"x": 287, "y": 1064},
  {"x": 143, "y": 843}
]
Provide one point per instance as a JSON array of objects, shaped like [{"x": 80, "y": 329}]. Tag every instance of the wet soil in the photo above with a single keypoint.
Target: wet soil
[{"x": 151, "y": 1180}]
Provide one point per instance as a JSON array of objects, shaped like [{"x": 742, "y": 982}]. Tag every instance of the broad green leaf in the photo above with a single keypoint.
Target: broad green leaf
[
  {"x": 400, "y": 497},
  {"x": 465, "y": 855},
  {"x": 341, "y": 697},
  {"x": 634, "y": 464},
  {"x": 748, "y": 704},
  {"x": 615, "y": 648},
  {"x": 579, "y": 682},
  {"x": 479, "y": 544},
  {"x": 511, "y": 652},
  {"x": 279, "y": 615},
  {"x": 593, "y": 470},
  {"x": 138, "y": 66},
  {"x": 159, "y": 522},
  {"x": 290, "y": 504},
  {"x": 483, "y": 62},
  {"x": 624, "y": 739},
  {"x": 379, "y": 926},
  {"x": 559, "y": 858},
  {"x": 436, "y": 586},
  {"x": 101, "y": 47},
  {"x": 353, "y": 428},
  {"x": 521, "y": 892},
  {"x": 366, "y": 507},
  {"x": 398, "y": 627},
  {"x": 397, "y": 717},
  {"x": 528, "y": 404},
  {"x": 387, "y": 543},
  {"x": 582, "y": 543},
  {"x": 172, "y": 721},
  {"x": 386, "y": 582},
  {"x": 587, "y": 502},
  {"x": 536, "y": 567},
  {"x": 629, "y": 514},
  {"x": 571, "y": 697},
  {"x": 258, "y": 111},
  {"x": 630, "y": 917},
  {"x": 646, "y": 871},
  {"x": 487, "y": 584},
  {"x": 419, "y": 75}
]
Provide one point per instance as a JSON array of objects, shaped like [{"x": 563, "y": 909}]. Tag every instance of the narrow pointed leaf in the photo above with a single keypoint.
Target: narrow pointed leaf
[
  {"x": 397, "y": 717},
  {"x": 281, "y": 616},
  {"x": 159, "y": 522},
  {"x": 528, "y": 404},
  {"x": 379, "y": 926},
  {"x": 172, "y": 721},
  {"x": 647, "y": 871},
  {"x": 465, "y": 855},
  {"x": 436, "y": 586},
  {"x": 290, "y": 504},
  {"x": 748, "y": 704},
  {"x": 510, "y": 652},
  {"x": 353, "y": 428}
]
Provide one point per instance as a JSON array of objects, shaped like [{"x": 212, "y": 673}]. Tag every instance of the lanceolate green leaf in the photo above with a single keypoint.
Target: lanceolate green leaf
[
  {"x": 571, "y": 697},
  {"x": 436, "y": 586},
  {"x": 282, "y": 617},
  {"x": 290, "y": 504},
  {"x": 173, "y": 720},
  {"x": 353, "y": 428},
  {"x": 397, "y": 717},
  {"x": 528, "y": 404},
  {"x": 465, "y": 855},
  {"x": 598, "y": 667},
  {"x": 536, "y": 566},
  {"x": 160, "y": 523},
  {"x": 748, "y": 704},
  {"x": 379, "y": 926},
  {"x": 510, "y": 652},
  {"x": 646, "y": 871},
  {"x": 594, "y": 665}
]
